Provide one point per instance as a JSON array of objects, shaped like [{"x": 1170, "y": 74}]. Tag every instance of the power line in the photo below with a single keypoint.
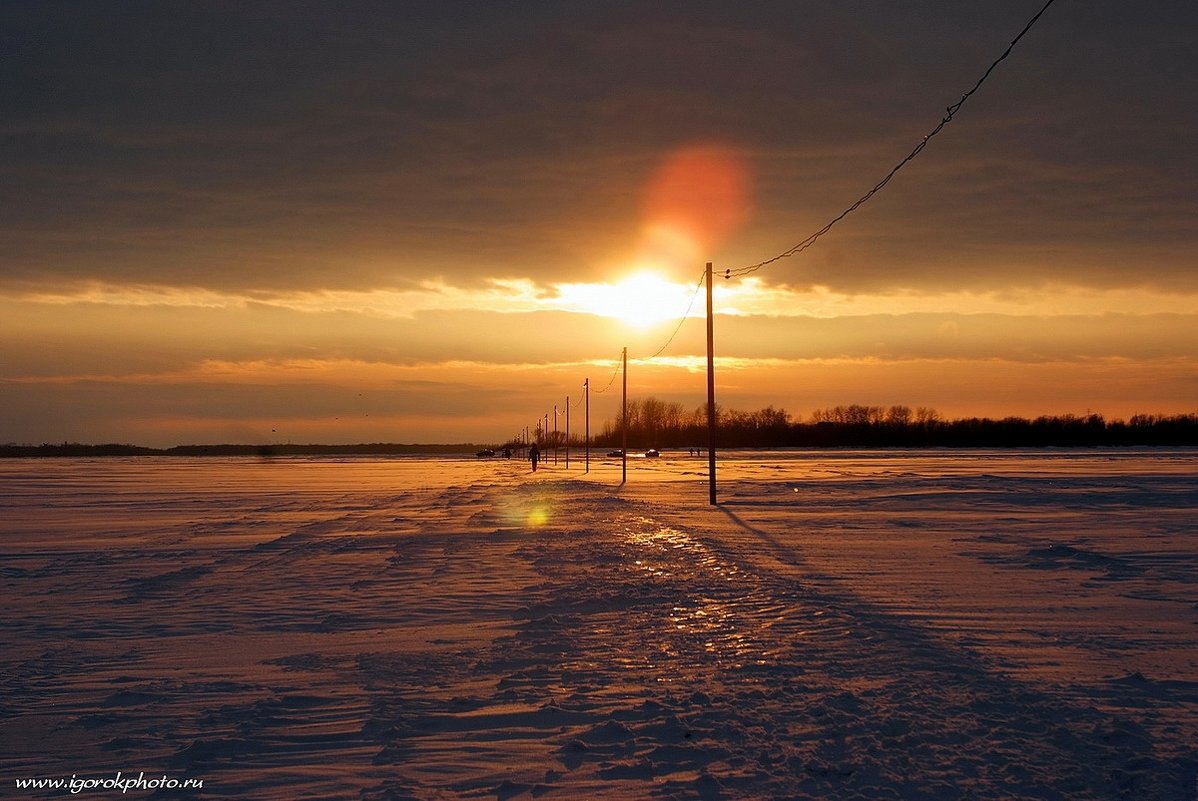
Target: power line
[
  {"x": 611, "y": 381},
  {"x": 685, "y": 314},
  {"x": 951, "y": 111}
]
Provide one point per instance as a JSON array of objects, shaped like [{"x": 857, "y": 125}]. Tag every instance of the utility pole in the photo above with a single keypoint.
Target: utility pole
[
  {"x": 586, "y": 390},
  {"x": 710, "y": 395},
  {"x": 555, "y": 435},
  {"x": 567, "y": 432},
  {"x": 624, "y": 427}
]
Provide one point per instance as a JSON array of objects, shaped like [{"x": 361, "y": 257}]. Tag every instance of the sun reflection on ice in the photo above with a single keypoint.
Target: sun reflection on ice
[{"x": 709, "y": 622}]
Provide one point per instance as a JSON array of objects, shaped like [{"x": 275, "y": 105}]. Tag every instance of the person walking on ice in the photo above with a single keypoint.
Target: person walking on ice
[{"x": 534, "y": 456}]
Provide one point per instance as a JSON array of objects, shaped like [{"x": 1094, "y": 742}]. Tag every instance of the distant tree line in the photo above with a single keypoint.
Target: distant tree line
[{"x": 654, "y": 423}]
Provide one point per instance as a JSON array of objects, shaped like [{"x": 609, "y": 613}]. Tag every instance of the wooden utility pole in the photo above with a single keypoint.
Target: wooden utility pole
[
  {"x": 567, "y": 432},
  {"x": 555, "y": 435},
  {"x": 711, "y": 422},
  {"x": 624, "y": 426},
  {"x": 586, "y": 389}
]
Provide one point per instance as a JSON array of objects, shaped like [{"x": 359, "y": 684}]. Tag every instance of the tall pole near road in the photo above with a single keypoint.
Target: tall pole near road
[
  {"x": 711, "y": 422},
  {"x": 624, "y": 426}
]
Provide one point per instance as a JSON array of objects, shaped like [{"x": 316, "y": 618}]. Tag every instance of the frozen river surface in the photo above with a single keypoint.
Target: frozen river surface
[{"x": 856, "y": 625}]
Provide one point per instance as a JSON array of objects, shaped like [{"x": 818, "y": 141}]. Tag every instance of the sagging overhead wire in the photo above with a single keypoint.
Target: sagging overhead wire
[
  {"x": 610, "y": 381},
  {"x": 685, "y": 314},
  {"x": 950, "y": 112}
]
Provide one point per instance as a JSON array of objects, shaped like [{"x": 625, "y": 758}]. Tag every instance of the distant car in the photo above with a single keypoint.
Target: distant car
[
  {"x": 616, "y": 452},
  {"x": 485, "y": 452},
  {"x": 652, "y": 453}
]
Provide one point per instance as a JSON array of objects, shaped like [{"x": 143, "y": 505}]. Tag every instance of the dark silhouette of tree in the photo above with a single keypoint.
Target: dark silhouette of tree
[{"x": 658, "y": 424}]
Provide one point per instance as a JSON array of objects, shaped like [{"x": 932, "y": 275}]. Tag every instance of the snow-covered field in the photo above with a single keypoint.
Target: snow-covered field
[{"x": 844, "y": 625}]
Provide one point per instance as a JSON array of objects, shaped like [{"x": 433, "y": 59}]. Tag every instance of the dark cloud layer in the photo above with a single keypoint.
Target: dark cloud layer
[{"x": 285, "y": 145}]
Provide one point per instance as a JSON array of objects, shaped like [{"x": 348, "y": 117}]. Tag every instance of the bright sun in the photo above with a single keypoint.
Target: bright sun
[{"x": 642, "y": 299}]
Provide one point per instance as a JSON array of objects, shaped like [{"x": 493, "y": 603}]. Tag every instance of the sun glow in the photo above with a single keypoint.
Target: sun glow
[{"x": 642, "y": 300}]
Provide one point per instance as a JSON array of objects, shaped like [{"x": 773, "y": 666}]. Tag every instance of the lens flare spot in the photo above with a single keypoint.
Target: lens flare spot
[
  {"x": 538, "y": 516},
  {"x": 696, "y": 199}
]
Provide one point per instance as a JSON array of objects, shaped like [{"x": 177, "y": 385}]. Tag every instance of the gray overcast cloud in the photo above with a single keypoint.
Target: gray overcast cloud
[{"x": 286, "y": 145}]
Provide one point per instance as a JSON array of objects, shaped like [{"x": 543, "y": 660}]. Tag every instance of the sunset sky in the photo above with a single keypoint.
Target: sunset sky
[{"x": 430, "y": 222}]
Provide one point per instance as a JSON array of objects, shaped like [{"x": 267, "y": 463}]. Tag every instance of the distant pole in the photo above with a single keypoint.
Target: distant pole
[
  {"x": 624, "y": 426},
  {"x": 567, "y": 432},
  {"x": 555, "y": 435},
  {"x": 586, "y": 390},
  {"x": 710, "y": 395}
]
